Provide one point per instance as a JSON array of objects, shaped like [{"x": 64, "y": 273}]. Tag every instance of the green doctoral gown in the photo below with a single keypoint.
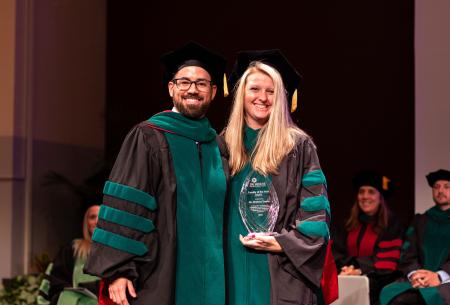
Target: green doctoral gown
[{"x": 248, "y": 273}]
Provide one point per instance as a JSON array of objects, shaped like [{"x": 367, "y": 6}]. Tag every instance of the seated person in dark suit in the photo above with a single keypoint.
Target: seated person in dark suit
[{"x": 425, "y": 259}]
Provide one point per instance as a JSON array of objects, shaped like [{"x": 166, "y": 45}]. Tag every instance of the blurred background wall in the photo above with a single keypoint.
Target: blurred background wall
[
  {"x": 52, "y": 97},
  {"x": 432, "y": 95}
]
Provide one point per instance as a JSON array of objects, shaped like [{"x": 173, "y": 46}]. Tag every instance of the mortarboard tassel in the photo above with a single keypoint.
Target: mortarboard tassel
[
  {"x": 294, "y": 101},
  {"x": 386, "y": 183},
  {"x": 225, "y": 85}
]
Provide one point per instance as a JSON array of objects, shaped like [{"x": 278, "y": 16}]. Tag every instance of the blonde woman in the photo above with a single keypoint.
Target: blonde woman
[
  {"x": 284, "y": 264},
  {"x": 68, "y": 266}
]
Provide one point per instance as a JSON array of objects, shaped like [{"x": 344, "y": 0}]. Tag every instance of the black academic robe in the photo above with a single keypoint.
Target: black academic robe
[
  {"x": 303, "y": 223},
  {"x": 413, "y": 257},
  {"x": 376, "y": 254},
  {"x": 144, "y": 163}
]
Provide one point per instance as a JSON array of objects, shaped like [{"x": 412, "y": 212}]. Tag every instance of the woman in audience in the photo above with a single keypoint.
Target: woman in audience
[
  {"x": 67, "y": 271},
  {"x": 370, "y": 244}
]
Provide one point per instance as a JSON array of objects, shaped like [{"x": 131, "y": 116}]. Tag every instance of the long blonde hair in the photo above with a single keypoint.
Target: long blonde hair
[
  {"x": 275, "y": 139},
  {"x": 82, "y": 246}
]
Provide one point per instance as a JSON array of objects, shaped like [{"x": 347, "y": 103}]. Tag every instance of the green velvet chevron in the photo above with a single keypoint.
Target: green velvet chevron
[
  {"x": 314, "y": 228},
  {"x": 119, "y": 242},
  {"x": 315, "y": 204},
  {"x": 409, "y": 231},
  {"x": 406, "y": 245},
  {"x": 314, "y": 178},
  {"x": 126, "y": 219},
  {"x": 129, "y": 193},
  {"x": 44, "y": 287}
]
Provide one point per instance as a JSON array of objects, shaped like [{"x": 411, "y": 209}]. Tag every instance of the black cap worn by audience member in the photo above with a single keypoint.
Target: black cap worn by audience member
[
  {"x": 274, "y": 58},
  {"x": 373, "y": 179},
  {"x": 194, "y": 54},
  {"x": 441, "y": 174}
]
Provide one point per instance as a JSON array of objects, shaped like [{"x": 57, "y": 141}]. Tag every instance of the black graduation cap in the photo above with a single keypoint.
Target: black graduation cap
[
  {"x": 441, "y": 174},
  {"x": 194, "y": 54},
  {"x": 274, "y": 58},
  {"x": 373, "y": 179}
]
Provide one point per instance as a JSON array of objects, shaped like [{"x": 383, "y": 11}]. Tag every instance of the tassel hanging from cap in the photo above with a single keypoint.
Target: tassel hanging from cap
[
  {"x": 386, "y": 183},
  {"x": 225, "y": 85},
  {"x": 294, "y": 101}
]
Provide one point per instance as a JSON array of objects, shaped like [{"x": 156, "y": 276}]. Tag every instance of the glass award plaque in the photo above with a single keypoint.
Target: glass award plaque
[{"x": 258, "y": 204}]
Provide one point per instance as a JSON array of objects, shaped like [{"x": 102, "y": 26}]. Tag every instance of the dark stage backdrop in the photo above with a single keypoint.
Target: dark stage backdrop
[{"x": 356, "y": 58}]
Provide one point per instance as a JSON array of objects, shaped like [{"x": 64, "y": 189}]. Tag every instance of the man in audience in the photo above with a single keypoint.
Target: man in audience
[{"x": 425, "y": 259}]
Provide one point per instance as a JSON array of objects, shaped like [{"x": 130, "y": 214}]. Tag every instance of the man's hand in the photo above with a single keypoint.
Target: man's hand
[
  {"x": 117, "y": 291},
  {"x": 424, "y": 278}
]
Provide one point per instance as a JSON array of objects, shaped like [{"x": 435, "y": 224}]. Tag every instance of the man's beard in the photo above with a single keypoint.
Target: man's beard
[
  {"x": 193, "y": 111},
  {"x": 441, "y": 203}
]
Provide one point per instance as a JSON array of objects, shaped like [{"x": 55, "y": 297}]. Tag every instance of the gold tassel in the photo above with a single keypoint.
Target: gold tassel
[
  {"x": 294, "y": 101},
  {"x": 386, "y": 183},
  {"x": 225, "y": 85}
]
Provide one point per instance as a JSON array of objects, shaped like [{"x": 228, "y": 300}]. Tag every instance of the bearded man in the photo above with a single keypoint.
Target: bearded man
[{"x": 159, "y": 238}]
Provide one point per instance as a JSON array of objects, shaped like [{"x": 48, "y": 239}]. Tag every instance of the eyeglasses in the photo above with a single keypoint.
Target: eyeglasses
[{"x": 185, "y": 84}]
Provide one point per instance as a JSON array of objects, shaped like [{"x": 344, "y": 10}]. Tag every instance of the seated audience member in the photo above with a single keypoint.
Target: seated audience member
[
  {"x": 370, "y": 244},
  {"x": 425, "y": 259},
  {"x": 68, "y": 266}
]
